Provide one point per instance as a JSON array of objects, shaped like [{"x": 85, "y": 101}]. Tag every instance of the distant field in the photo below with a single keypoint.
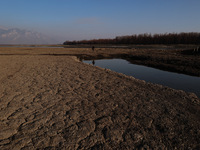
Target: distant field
[
  {"x": 176, "y": 58},
  {"x": 180, "y": 46}
]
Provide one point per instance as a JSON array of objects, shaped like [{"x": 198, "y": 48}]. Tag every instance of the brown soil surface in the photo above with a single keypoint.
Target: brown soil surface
[{"x": 50, "y": 100}]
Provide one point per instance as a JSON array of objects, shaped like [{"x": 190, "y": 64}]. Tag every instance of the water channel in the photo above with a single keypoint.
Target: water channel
[{"x": 170, "y": 79}]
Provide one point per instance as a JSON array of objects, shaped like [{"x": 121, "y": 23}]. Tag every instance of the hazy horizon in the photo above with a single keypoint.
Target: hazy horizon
[{"x": 79, "y": 20}]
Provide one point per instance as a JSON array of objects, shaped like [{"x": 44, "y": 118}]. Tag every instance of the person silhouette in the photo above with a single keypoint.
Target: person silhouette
[
  {"x": 93, "y": 48},
  {"x": 93, "y": 62}
]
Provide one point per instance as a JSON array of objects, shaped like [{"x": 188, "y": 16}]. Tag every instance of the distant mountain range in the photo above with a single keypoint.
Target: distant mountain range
[{"x": 20, "y": 36}]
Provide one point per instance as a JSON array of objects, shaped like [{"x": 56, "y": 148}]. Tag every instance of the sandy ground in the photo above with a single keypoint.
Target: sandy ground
[{"x": 58, "y": 102}]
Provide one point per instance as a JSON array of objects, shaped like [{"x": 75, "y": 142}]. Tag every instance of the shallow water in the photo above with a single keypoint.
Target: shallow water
[{"x": 170, "y": 79}]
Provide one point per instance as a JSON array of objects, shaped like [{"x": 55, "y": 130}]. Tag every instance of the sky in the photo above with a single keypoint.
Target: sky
[{"x": 94, "y": 19}]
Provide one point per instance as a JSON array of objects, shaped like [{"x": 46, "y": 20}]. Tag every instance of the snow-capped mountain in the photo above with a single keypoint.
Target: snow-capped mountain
[{"x": 19, "y": 36}]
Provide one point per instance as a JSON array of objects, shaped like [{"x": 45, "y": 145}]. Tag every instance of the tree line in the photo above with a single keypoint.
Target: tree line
[{"x": 167, "y": 38}]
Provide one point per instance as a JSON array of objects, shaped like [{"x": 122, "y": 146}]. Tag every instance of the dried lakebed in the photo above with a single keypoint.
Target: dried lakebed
[
  {"x": 170, "y": 79},
  {"x": 57, "y": 102}
]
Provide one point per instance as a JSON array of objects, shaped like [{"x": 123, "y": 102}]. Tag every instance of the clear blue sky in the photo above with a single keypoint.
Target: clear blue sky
[{"x": 88, "y": 19}]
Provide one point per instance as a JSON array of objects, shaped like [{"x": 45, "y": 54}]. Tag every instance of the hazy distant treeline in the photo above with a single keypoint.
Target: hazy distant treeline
[{"x": 168, "y": 38}]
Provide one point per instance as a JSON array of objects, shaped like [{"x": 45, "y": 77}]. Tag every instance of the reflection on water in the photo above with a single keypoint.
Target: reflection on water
[{"x": 173, "y": 80}]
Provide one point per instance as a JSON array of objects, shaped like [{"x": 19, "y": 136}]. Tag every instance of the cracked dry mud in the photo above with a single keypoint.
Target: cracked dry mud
[{"x": 57, "y": 102}]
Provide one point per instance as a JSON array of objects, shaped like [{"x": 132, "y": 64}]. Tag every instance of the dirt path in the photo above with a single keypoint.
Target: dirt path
[{"x": 57, "y": 102}]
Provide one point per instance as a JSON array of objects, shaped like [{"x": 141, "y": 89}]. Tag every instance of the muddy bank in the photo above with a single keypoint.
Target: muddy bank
[
  {"x": 57, "y": 102},
  {"x": 174, "y": 61}
]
